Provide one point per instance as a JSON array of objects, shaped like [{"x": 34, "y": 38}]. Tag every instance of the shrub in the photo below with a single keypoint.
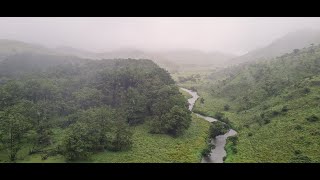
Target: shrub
[
  {"x": 218, "y": 128},
  {"x": 300, "y": 158},
  {"x": 298, "y": 127},
  {"x": 267, "y": 121},
  {"x": 297, "y": 152},
  {"x": 234, "y": 139},
  {"x": 306, "y": 90},
  {"x": 312, "y": 118},
  {"x": 226, "y": 107},
  {"x": 219, "y": 115},
  {"x": 250, "y": 134},
  {"x": 193, "y": 89},
  {"x": 225, "y": 120},
  {"x": 285, "y": 109},
  {"x": 234, "y": 149},
  {"x": 275, "y": 113},
  {"x": 206, "y": 152}
]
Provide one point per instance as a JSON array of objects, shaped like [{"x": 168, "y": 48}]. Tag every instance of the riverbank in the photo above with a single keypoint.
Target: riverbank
[{"x": 219, "y": 153}]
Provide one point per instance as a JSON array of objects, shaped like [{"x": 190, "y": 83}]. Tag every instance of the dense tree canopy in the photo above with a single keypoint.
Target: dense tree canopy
[{"x": 94, "y": 103}]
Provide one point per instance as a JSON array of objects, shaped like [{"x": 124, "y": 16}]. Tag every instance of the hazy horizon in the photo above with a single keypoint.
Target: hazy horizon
[{"x": 227, "y": 35}]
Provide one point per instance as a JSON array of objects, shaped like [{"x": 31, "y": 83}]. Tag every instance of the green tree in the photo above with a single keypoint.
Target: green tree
[
  {"x": 88, "y": 97},
  {"x": 218, "y": 128},
  {"x": 13, "y": 128},
  {"x": 78, "y": 141},
  {"x": 120, "y": 138},
  {"x": 176, "y": 121},
  {"x": 135, "y": 106}
]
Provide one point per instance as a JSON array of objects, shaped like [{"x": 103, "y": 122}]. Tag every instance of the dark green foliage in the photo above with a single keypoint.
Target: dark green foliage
[
  {"x": 175, "y": 122},
  {"x": 267, "y": 121},
  {"x": 250, "y": 134},
  {"x": 135, "y": 106},
  {"x": 219, "y": 115},
  {"x": 275, "y": 113},
  {"x": 226, "y": 107},
  {"x": 218, "y": 128},
  {"x": 306, "y": 90},
  {"x": 234, "y": 149},
  {"x": 120, "y": 139},
  {"x": 171, "y": 114},
  {"x": 201, "y": 100},
  {"x": 14, "y": 127},
  {"x": 297, "y": 152},
  {"x": 285, "y": 109},
  {"x": 105, "y": 129},
  {"x": 313, "y": 118},
  {"x": 300, "y": 158},
  {"x": 298, "y": 127},
  {"x": 234, "y": 139},
  {"x": 78, "y": 142},
  {"x": 233, "y": 145},
  {"x": 206, "y": 152}
]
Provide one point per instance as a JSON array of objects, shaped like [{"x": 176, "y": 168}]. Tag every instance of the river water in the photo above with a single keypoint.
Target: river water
[{"x": 217, "y": 154}]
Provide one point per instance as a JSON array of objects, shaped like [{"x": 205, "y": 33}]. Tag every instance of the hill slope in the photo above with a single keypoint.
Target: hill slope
[
  {"x": 274, "y": 105},
  {"x": 286, "y": 44}
]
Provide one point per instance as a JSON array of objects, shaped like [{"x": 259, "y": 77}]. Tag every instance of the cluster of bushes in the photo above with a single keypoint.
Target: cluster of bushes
[
  {"x": 221, "y": 117},
  {"x": 218, "y": 128},
  {"x": 234, "y": 141}
]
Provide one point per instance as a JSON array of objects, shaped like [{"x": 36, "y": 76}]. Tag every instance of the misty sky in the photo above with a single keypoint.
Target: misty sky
[{"x": 231, "y": 35}]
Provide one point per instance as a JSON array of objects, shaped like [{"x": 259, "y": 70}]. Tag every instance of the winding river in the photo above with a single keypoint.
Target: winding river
[{"x": 217, "y": 154}]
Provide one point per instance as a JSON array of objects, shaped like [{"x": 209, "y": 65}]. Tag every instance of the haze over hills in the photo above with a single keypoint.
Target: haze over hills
[
  {"x": 10, "y": 47},
  {"x": 171, "y": 60},
  {"x": 177, "y": 59},
  {"x": 286, "y": 44}
]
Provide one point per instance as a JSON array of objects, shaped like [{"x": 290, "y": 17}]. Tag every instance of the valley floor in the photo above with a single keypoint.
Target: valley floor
[
  {"x": 287, "y": 137},
  {"x": 147, "y": 148}
]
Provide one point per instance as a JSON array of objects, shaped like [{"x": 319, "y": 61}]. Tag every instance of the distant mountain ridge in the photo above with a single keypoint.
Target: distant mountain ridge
[
  {"x": 172, "y": 60},
  {"x": 286, "y": 44}
]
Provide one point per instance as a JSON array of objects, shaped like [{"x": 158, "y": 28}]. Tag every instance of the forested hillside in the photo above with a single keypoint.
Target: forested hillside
[
  {"x": 77, "y": 110},
  {"x": 274, "y": 105}
]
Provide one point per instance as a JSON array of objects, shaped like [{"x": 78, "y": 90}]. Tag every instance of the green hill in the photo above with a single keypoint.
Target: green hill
[
  {"x": 122, "y": 110},
  {"x": 274, "y": 105}
]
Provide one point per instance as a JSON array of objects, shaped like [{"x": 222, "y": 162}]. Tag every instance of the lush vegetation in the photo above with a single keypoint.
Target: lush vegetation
[
  {"x": 146, "y": 147},
  {"x": 273, "y": 105},
  {"x": 78, "y": 110}
]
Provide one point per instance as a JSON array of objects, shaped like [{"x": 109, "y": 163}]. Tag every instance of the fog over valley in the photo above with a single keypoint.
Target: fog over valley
[{"x": 160, "y": 90}]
